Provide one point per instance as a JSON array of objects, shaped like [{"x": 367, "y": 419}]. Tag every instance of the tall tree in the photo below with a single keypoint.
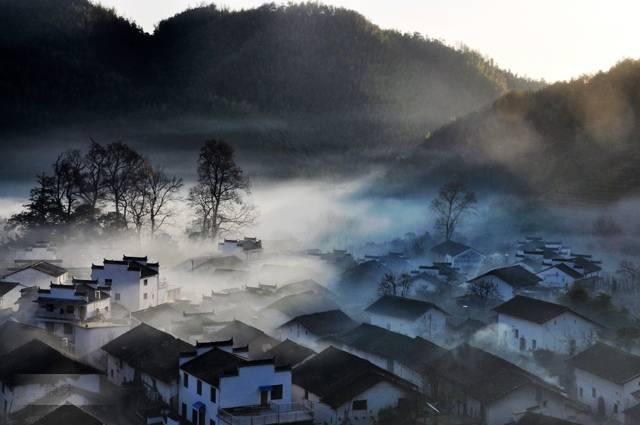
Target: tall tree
[
  {"x": 122, "y": 168},
  {"x": 67, "y": 180},
  {"x": 162, "y": 190},
  {"x": 217, "y": 198},
  {"x": 453, "y": 203},
  {"x": 93, "y": 187}
]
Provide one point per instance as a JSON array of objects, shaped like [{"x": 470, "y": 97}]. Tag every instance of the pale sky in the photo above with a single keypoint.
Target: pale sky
[{"x": 550, "y": 39}]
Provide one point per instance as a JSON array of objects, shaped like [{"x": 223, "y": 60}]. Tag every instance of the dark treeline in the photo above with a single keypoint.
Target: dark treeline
[{"x": 110, "y": 189}]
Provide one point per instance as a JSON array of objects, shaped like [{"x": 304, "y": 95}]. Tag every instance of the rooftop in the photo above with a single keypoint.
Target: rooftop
[
  {"x": 44, "y": 267},
  {"x": 401, "y": 307},
  {"x": 608, "y": 362},
  {"x": 288, "y": 353},
  {"x": 450, "y": 248},
  {"x": 68, "y": 414},
  {"x": 324, "y": 323},
  {"x": 516, "y": 276},
  {"x": 534, "y": 310},
  {"x": 531, "y": 418}
]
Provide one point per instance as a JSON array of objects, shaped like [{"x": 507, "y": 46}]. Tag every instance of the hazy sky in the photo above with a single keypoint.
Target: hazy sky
[{"x": 551, "y": 39}]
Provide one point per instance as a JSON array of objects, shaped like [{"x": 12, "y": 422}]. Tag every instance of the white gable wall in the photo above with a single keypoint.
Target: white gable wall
[
  {"x": 430, "y": 325},
  {"x": 33, "y": 277},
  {"x": 611, "y": 393}
]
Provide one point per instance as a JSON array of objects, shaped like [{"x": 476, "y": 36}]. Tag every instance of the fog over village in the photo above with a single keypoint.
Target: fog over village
[{"x": 286, "y": 214}]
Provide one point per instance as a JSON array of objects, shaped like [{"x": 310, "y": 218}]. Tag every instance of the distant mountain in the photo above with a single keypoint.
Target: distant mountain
[
  {"x": 331, "y": 76},
  {"x": 576, "y": 141}
]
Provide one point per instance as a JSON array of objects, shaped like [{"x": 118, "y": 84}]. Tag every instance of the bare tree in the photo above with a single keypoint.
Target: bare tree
[
  {"x": 454, "y": 201},
  {"x": 405, "y": 283},
  {"x": 94, "y": 171},
  {"x": 162, "y": 191},
  {"x": 217, "y": 198},
  {"x": 122, "y": 169},
  {"x": 483, "y": 289},
  {"x": 136, "y": 199},
  {"x": 67, "y": 176},
  {"x": 388, "y": 285}
]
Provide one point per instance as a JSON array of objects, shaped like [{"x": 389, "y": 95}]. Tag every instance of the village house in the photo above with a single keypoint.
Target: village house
[
  {"x": 470, "y": 383},
  {"x": 40, "y": 273},
  {"x": 148, "y": 358},
  {"x": 35, "y": 369},
  {"x": 220, "y": 387},
  {"x": 343, "y": 388},
  {"x": 68, "y": 414},
  {"x": 559, "y": 276},
  {"x": 307, "y": 329},
  {"x": 405, "y": 357},
  {"x": 14, "y": 334},
  {"x": 288, "y": 353},
  {"x": 505, "y": 282},
  {"x": 247, "y": 248},
  {"x": 135, "y": 283},
  {"x": 408, "y": 316},
  {"x": 608, "y": 380},
  {"x": 460, "y": 256},
  {"x": 253, "y": 339},
  {"x": 10, "y": 293},
  {"x": 529, "y": 324}
]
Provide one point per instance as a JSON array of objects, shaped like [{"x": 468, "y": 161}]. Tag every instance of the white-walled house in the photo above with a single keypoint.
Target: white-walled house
[
  {"x": 135, "y": 282},
  {"x": 35, "y": 369},
  {"x": 488, "y": 390},
  {"x": 147, "y": 357},
  {"x": 408, "y": 316},
  {"x": 505, "y": 282},
  {"x": 343, "y": 388},
  {"x": 218, "y": 386},
  {"x": 460, "y": 256},
  {"x": 41, "y": 273},
  {"x": 608, "y": 380},
  {"x": 10, "y": 293},
  {"x": 307, "y": 329},
  {"x": 559, "y": 276},
  {"x": 529, "y": 324}
]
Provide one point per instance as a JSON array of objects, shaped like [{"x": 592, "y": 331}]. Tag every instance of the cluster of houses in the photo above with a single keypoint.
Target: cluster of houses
[{"x": 121, "y": 346}]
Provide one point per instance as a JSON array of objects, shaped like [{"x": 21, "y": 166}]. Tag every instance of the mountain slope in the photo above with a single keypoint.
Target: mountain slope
[{"x": 571, "y": 141}]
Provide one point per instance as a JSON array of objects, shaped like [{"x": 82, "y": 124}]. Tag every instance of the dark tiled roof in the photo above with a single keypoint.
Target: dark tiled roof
[
  {"x": 216, "y": 363},
  {"x": 14, "y": 334},
  {"x": 245, "y": 335},
  {"x": 288, "y": 353},
  {"x": 44, "y": 267},
  {"x": 37, "y": 358},
  {"x": 5, "y": 287},
  {"x": 534, "y": 310},
  {"x": 450, "y": 248},
  {"x": 531, "y": 418},
  {"x": 401, "y": 307},
  {"x": 413, "y": 352},
  {"x": 68, "y": 414},
  {"x": 608, "y": 362},
  {"x": 516, "y": 276},
  {"x": 568, "y": 270},
  {"x": 150, "y": 351},
  {"x": 303, "y": 303},
  {"x": 482, "y": 375},
  {"x": 324, "y": 323},
  {"x": 337, "y": 376}
]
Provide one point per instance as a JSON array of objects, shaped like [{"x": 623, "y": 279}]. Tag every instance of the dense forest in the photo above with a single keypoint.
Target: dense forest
[{"x": 571, "y": 141}]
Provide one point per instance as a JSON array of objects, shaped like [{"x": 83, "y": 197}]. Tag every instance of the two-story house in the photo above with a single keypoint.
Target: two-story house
[
  {"x": 408, "y": 316},
  {"x": 460, "y": 256},
  {"x": 343, "y": 388},
  {"x": 135, "y": 282},
  {"x": 608, "y": 380},
  {"x": 218, "y": 386},
  {"x": 529, "y": 324},
  {"x": 505, "y": 282},
  {"x": 559, "y": 276}
]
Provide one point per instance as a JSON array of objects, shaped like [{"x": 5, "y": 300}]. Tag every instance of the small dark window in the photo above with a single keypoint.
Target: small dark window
[
  {"x": 615, "y": 408},
  {"x": 185, "y": 380},
  {"x": 306, "y": 394},
  {"x": 184, "y": 410},
  {"x": 199, "y": 387},
  {"x": 146, "y": 282},
  {"x": 68, "y": 330},
  {"x": 144, "y": 296},
  {"x": 593, "y": 392},
  {"x": 276, "y": 392},
  {"x": 212, "y": 422},
  {"x": 359, "y": 405},
  {"x": 581, "y": 392},
  {"x": 70, "y": 309},
  {"x": 213, "y": 395},
  {"x": 108, "y": 281},
  {"x": 49, "y": 308},
  {"x": 117, "y": 296}
]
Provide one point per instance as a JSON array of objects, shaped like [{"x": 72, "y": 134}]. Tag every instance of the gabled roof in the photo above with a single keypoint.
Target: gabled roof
[
  {"x": 37, "y": 358},
  {"x": 450, "y": 248},
  {"x": 68, "y": 414},
  {"x": 44, "y": 267},
  {"x": 6, "y": 287},
  {"x": 608, "y": 362},
  {"x": 412, "y": 352},
  {"x": 288, "y": 353},
  {"x": 531, "y": 418},
  {"x": 245, "y": 335},
  {"x": 324, "y": 323},
  {"x": 566, "y": 270},
  {"x": 303, "y": 303},
  {"x": 14, "y": 334},
  {"x": 149, "y": 350},
  {"x": 401, "y": 307},
  {"x": 516, "y": 276},
  {"x": 482, "y": 375},
  {"x": 337, "y": 376},
  {"x": 534, "y": 310}
]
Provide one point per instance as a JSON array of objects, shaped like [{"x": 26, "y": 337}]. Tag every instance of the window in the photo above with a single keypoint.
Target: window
[
  {"x": 70, "y": 309},
  {"x": 516, "y": 334},
  {"x": 68, "y": 330},
  {"x": 213, "y": 395},
  {"x": 359, "y": 405},
  {"x": 593, "y": 392},
  {"x": 49, "y": 308},
  {"x": 117, "y": 296},
  {"x": 144, "y": 296},
  {"x": 212, "y": 422},
  {"x": 146, "y": 281},
  {"x": 581, "y": 392},
  {"x": 50, "y": 327},
  {"x": 199, "y": 387},
  {"x": 108, "y": 281},
  {"x": 306, "y": 394},
  {"x": 615, "y": 408},
  {"x": 276, "y": 392},
  {"x": 185, "y": 379},
  {"x": 533, "y": 344},
  {"x": 112, "y": 373},
  {"x": 184, "y": 410}
]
